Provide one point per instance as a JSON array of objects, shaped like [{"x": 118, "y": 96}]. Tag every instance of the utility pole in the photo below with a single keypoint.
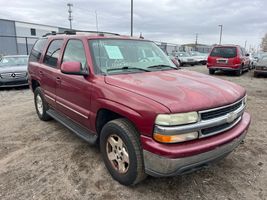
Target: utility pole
[
  {"x": 70, "y": 12},
  {"x": 196, "y": 38},
  {"x": 245, "y": 44},
  {"x": 96, "y": 21},
  {"x": 131, "y": 18},
  {"x": 221, "y": 33}
]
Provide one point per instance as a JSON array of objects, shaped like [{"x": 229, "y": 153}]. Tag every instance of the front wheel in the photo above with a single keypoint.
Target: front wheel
[
  {"x": 211, "y": 71},
  {"x": 40, "y": 105},
  {"x": 122, "y": 152}
]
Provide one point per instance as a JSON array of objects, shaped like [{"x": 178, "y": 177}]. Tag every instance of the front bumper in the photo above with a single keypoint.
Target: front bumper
[
  {"x": 176, "y": 159},
  {"x": 13, "y": 82},
  {"x": 263, "y": 72}
]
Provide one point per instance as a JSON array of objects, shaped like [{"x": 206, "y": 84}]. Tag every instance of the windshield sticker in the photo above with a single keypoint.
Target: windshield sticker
[{"x": 113, "y": 52}]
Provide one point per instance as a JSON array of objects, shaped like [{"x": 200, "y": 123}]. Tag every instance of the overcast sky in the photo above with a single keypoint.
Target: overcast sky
[{"x": 175, "y": 21}]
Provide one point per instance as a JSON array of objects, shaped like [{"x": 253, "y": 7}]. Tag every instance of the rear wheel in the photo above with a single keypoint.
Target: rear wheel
[
  {"x": 122, "y": 152},
  {"x": 239, "y": 71},
  {"x": 41, "y": 105},
  {"x": 211, "y": 71}
]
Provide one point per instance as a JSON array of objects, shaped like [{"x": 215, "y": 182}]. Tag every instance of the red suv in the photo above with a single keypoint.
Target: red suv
[
  {"x": 126, "y": 95},
  {"x": 228, "y": 58}
]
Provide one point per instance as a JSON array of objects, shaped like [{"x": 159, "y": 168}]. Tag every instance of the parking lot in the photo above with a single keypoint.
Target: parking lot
[{"x": 44, "y": 160}]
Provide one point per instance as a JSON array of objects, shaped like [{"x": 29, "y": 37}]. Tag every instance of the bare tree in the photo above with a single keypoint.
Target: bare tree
[{"x": 264, "y": 43}]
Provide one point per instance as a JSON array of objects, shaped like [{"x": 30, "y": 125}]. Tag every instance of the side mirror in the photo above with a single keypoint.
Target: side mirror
[{"x": 74, "y": 68}]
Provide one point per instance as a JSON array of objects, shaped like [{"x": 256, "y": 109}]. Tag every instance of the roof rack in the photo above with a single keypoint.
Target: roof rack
[{"x": 74, "y": 32}]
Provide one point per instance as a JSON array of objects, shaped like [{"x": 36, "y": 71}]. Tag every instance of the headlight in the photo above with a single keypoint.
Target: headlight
[
  {"x": 175, "y": 138},
  {"x": 176, "y": 119}
]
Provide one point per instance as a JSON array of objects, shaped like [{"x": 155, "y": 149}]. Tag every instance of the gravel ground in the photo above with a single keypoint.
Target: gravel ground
[{"x": 43, "y": 160}]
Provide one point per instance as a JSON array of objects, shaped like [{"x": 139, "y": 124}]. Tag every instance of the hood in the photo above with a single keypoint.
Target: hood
[
  {"x": 8, "y": 69},
  {"x": 179, "y": 90}
]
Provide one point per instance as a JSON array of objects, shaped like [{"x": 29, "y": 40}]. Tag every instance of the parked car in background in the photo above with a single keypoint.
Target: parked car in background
[
  {"x": 252, "y": 60},
  {"x": 13, "y": 71},
  {"x": 175, "y": 61},
  {"x": 185, "y": 58},
  {"x": 201, "y": 58},
  {"x": 261, "y": 67},
  {"x": 228, "y": 58},
  {"x": 147, "y": 116}
]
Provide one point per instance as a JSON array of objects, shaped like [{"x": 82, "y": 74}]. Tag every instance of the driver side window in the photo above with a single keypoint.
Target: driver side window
[
  {"x": 52, "y": 54},
  {"x": 74, "y": 51}
]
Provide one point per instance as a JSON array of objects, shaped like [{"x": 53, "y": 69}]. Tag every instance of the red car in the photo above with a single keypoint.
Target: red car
[
  {"x": 228, "y": 58},
  {"x": 125, "y": 94}
]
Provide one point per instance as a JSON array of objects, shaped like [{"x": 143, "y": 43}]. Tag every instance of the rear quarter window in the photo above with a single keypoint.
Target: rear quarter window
[
  {"x": 37, "y": 50},
  {"x": 224, "y": 52}
]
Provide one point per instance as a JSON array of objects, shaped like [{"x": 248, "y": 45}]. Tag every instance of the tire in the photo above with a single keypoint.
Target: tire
[
  {"x": 256, "y": 74},
  {"x": 239, "y": 71},
  {"x": 192, "y": 64},
  {"x": 211, "y": 71},
  {"x": 41, "y": 105},
  {"x": 119, "y": 138}
]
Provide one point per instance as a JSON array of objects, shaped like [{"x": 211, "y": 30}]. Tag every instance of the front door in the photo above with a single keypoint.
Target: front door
[{"x": 74, "y": 91}]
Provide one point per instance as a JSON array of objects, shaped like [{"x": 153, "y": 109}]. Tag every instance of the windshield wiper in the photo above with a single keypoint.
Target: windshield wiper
[
  {"x": 162, "y": 66},
  {"x": 128, "y": 68}
]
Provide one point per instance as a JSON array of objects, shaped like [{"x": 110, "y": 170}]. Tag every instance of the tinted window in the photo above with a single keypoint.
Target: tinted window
[
  {"x": 52, "y": 53},
  {"x": 74, "y": 51},
  {"x": 37, "y": 50},
  {"x": 224, "y": 52}
]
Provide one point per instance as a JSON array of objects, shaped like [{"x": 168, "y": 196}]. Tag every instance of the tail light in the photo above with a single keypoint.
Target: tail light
[{"x": 237, "y": 61}]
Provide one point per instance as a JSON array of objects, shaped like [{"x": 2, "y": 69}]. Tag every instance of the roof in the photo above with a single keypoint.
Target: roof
[{"x": 33, "y": 23}]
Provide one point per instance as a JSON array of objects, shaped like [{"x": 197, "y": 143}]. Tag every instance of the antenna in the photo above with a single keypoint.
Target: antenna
[{"x": 70, "y": 12}]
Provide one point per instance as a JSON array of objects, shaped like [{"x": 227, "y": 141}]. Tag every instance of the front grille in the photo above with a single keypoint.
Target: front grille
[
  {"x": 220, "y": 111},
  {"x": 14, "y": 75},
  {"x": 230, "y": 116},
  {"x": 219, "y": 128}
]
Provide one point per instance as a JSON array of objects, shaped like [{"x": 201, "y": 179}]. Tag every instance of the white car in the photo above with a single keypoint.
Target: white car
[
  {"x": 201, "y": 58},
  {"x": 185, "y": 58}
]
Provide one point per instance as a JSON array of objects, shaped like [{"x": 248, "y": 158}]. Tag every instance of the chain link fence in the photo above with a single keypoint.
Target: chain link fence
[{"x": 16, "y": 45}]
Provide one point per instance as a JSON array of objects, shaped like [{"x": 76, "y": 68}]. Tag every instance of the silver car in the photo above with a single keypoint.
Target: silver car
[
  {"x": 13, "y": 71},
  {"x": 261, "y": 67}
]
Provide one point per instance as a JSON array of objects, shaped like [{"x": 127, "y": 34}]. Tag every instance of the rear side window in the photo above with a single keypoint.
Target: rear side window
[
  {"x": 37, "y": 50},
  {"x": 74, "y": 51},
  {"x": 52, "y": 54},
  {"x": 224, "y": 52}
]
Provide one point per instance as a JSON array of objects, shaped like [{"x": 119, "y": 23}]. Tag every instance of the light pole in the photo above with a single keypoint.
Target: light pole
[
  {"x": 70, "y": 12},
  {"x": 131, "y": 18},
  {"x": 220, "y": 33}
]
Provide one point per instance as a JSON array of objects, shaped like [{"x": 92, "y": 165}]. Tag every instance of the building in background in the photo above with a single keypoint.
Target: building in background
[
  {"x": 168, "y": 48},
  {"x": 203, "y": 48},
  {"x": 18, "y": 37}
]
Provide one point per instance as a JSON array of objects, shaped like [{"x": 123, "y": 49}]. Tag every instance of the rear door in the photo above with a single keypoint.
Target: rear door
[
  {"x": 74, "y": 91},
  {"x": 49, "y": 69}
]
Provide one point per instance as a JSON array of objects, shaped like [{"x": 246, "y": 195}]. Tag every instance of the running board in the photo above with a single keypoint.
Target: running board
[{"x": 74, "y": 127}]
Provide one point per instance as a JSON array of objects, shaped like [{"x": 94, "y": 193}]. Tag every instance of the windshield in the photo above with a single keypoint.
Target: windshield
[
  {"x": 13, "y": 61},
  {"x": 128, "y": 56},
  {"x": 224, "y": 52}
]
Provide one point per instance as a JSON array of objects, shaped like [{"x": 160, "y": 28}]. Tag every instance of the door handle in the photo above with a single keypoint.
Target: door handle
[{"x": 58, "y": 79}]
